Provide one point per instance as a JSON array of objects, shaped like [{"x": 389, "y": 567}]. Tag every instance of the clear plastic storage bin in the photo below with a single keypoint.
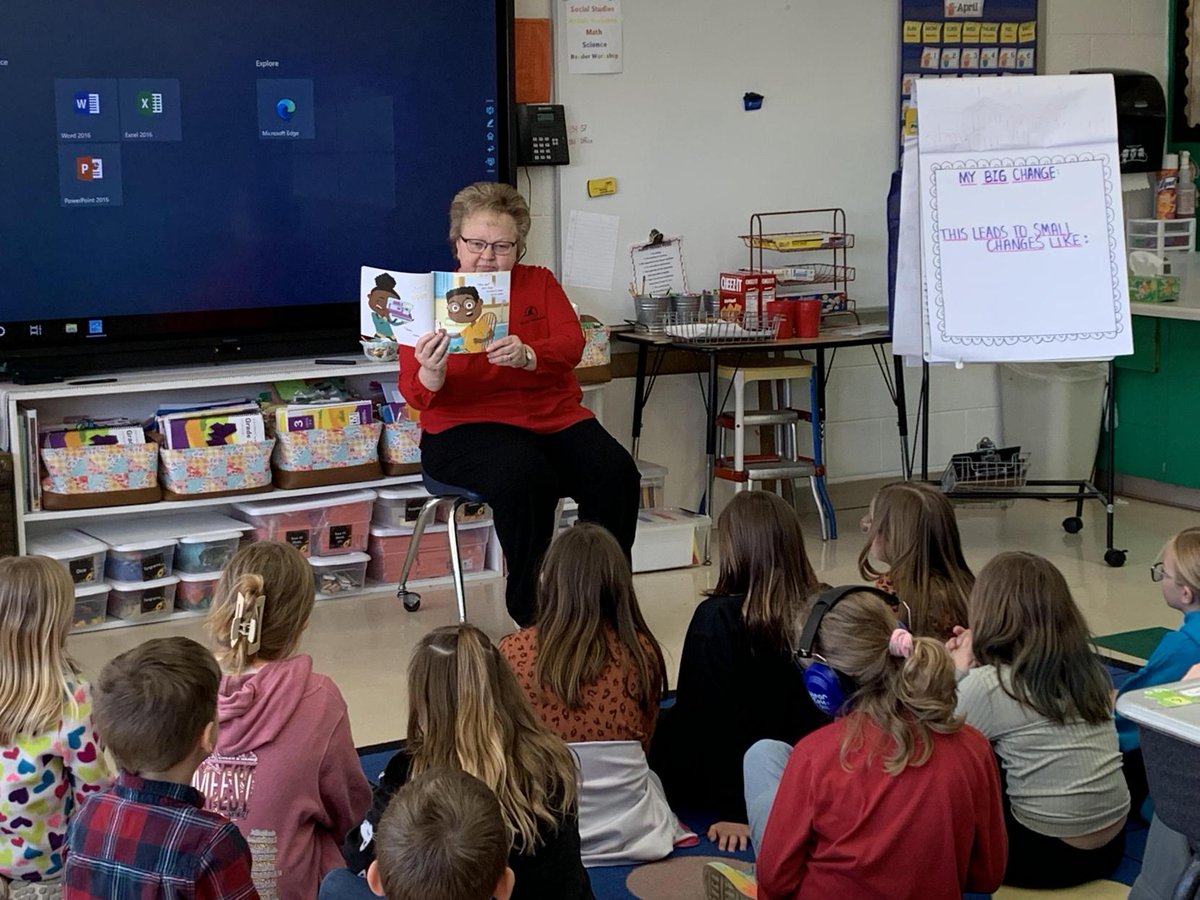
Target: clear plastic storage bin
[
  {"x": 139, "y": 601},
  {"x": 325, "y": 525},
  {"x": 83, "y": 556},
  {"x": 206, "y": 552},
  {"x": 336, "y": 575},
  {"x": 140, "y": 561},
  {"x": 399, "y": 506},
  {"x": 91, "y": 604},
  {"x": 195, "y": 590},
  {"x": 668, "y": 539},
  {"x": 389, "y": 546}
]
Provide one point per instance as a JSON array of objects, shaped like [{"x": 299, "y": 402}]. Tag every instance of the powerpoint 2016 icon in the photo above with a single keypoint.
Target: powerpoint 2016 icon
[{"x": 89, "y": 168}]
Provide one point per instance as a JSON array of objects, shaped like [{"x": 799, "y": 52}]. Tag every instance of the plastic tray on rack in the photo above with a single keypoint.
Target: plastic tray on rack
[{"x": 788, "y": 241}]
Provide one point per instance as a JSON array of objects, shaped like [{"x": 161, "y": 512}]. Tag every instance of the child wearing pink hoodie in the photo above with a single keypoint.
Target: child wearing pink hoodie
[{"x": 285, "y": 769}]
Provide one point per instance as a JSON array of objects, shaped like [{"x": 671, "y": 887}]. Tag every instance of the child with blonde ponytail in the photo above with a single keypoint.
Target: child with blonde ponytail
[
  {"x": 285, "y": 769},
  {"x": 50, "y": 759},
  {"x": 897, "y": 797}
]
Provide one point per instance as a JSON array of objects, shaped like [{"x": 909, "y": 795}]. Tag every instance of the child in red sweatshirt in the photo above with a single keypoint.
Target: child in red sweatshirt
[{"x": 285, "y": 769}]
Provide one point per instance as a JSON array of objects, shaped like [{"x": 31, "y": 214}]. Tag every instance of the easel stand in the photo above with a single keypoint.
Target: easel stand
[{"x": 1043, "y": 489}]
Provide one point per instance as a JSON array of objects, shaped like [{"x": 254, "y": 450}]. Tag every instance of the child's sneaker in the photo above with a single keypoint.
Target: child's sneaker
[{"x": 724, "y": 882}]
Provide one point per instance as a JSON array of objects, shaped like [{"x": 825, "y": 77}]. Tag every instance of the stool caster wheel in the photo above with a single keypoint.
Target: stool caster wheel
[
  {"x": 410, "y": 599},
  {"x": 1115, "y": 558},
  {"x": 1072, "y": 524}
]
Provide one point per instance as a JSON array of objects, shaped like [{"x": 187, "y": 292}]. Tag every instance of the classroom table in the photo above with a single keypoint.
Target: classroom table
[
  {"x": 1168, "y": 718},
  {"x": 832, "y": 339}
]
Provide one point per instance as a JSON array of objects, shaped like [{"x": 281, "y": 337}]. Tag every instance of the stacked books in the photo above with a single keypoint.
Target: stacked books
[
  {"x": 84, "y": 432},
  {"x": 211, "y": 425},
  {"x": 332, "y": 414}
]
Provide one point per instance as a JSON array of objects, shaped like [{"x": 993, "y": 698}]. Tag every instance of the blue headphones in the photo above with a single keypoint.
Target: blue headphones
[{"x": 830, "y": 689}]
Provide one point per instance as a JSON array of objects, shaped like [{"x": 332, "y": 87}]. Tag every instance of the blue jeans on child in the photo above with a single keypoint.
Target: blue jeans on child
[
  {"x": 342, "y": 884},
  {"x": 762, "y": 770}
]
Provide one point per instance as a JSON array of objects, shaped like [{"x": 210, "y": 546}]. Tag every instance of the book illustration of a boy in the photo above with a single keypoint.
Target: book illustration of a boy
[
  {"x": 465, "y": 307},
  {"x": 387, "y": 309}
]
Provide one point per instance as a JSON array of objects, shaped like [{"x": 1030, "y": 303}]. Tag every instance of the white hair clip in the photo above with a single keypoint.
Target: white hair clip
[{"x": 247, "y": 623}]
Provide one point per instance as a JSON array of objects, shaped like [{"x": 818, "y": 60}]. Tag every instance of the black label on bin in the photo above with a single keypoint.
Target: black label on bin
[
  {"x": 298, "y": 539},
  {"x": 82, "y": 569},
  {"x": 154, "y": 566},
  {"x": 340, "y": 536},
  {"x": 152, "y": 603}
]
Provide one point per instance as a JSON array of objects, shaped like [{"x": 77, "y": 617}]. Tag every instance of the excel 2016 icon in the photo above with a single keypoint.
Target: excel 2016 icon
[
  {"x": 149, "y": 103},
  {"x": 89, "y": 168}
]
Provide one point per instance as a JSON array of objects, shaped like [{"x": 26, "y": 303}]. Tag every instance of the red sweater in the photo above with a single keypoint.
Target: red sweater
[
  {"x": 931, "y": 832},
  {"x": 545, "y": 400}
]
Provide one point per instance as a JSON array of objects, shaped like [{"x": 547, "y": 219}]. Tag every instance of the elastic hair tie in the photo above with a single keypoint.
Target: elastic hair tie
[{"x": 900, "y": 643}]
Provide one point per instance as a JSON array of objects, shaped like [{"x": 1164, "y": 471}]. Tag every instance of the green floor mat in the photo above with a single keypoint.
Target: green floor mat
[{"x": 1139, "y": 644}]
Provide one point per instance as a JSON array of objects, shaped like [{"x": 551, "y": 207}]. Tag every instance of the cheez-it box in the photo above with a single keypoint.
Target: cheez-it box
[{"x": 745, "y": 292}]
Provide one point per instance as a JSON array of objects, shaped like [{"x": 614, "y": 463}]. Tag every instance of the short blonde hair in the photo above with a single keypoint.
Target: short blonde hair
[
  {"x": 489, "y": 197},
  {"x": 278, "y": 573},
  {"x": 37, "y": 604},
  {"x": 1186, "y": 547}
]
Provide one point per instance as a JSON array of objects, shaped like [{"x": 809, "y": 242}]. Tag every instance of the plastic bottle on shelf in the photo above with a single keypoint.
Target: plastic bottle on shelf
[
  {"x": 1166, "y": 187},
  {"x": 1185, "y": 193}
]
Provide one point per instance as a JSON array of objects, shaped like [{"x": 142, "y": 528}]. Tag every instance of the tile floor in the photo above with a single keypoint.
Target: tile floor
[{"x": 363, "y": 643}]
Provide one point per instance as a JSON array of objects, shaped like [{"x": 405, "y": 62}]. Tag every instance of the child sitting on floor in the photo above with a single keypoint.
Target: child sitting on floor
[
  {"x": 911, "y": 531},
  {"x": 285, "y": 769},
  {"x": 442, "y": 838},
  {"x": 897, "y": 798},
  {"x": 51, "y": 757},
  {"x": 1031, "y": 683},
  {"x": 467, "y": 712},
  {"x": 150, "y": 836},
  {"x": 737, "y": 681}
]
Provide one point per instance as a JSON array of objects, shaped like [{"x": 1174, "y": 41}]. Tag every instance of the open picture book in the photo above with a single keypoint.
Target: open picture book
[{"x": 472, "y": 307}]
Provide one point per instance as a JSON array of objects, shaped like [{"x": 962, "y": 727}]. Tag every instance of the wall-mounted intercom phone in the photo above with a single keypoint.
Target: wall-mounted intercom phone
[{"x": 542, "y": 135}]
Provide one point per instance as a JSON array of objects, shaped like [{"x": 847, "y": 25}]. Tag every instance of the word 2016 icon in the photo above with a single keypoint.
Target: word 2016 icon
[
  {"x": 89, "y": 168},
  {"x": 87, "y": 104}
]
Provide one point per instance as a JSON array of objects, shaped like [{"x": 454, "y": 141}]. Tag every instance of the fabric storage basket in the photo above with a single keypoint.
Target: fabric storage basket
[
  {"x": 104, "y": 475},
  {"x": 400, "y": 450},
  {"x": 596, "y": 350},
  {"x": 327, "y": 456},
  {"x": 216, "y": 471}
]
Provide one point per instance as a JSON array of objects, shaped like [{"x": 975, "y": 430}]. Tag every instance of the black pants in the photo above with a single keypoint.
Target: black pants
[
  {"x": 522, "y": 475},
  {"x": 1039, "y": 861}
]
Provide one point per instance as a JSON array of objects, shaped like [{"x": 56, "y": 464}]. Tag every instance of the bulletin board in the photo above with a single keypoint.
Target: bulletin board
[{"x": 963, "y": 39}]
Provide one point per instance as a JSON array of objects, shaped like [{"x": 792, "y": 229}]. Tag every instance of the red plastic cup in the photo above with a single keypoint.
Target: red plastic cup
[
  {"x": 782, "y": 309},
  {"x": 807, "y": 321}
]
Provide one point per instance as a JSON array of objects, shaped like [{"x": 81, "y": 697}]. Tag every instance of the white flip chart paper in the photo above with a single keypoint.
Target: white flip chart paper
[{"x": 1021, "y": 222}]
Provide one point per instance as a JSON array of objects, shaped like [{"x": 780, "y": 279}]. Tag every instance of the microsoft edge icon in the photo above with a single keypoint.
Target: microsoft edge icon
[{"x": 285, "y": 109}]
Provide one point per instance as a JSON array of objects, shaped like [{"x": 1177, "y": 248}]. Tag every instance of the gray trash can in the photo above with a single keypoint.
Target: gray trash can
[{"x": 1054, "y": 411}]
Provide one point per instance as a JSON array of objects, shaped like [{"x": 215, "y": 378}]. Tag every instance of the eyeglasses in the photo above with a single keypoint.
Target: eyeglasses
[
  {"x": 1158, "y": 573},
  {"x": 500, "y": 248}
]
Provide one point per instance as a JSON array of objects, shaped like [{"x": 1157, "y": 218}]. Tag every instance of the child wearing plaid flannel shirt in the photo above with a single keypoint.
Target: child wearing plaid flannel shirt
[{"x": 150, "y": 836}]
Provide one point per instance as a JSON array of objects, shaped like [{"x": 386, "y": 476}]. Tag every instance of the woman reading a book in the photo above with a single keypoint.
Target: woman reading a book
[{"x": 508, "y": 423}]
